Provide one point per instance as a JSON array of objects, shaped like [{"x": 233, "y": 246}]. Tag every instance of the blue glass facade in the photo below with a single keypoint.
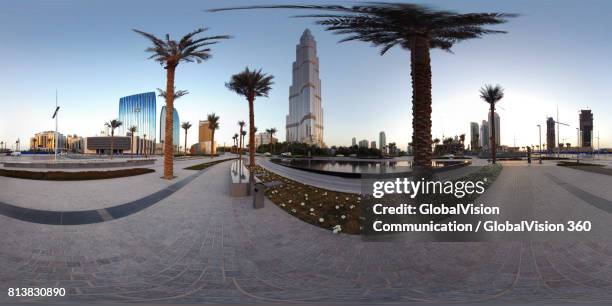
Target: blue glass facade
[
  {"x": 139, "y": 110},
  {"x": 175, "y": 123}
]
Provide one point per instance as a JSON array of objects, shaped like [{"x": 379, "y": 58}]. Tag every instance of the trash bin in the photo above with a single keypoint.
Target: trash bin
[{"x": 259, "y": 195}]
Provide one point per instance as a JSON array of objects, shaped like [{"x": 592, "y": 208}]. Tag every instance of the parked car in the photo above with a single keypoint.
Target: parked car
[
  {"x": 267, "y": 154},
  {"x": 286, "y": 154},
  {"x": 16, "y": 153}
]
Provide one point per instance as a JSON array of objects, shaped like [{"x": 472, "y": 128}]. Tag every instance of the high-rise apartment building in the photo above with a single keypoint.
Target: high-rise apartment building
[
  {"x": 474, "y": 135},
  {"x": 176, "y": 138},
  {"x": 484, "y": 135},
  {"x": 550, "y": 134},
  {"x": 586, "y": 128},
  {"x": 382, "y": 141},
  {"x": 354, "y": 142}
]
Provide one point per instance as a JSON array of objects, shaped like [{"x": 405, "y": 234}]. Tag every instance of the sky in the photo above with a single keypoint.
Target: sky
[{"x": 556, "y": 54}]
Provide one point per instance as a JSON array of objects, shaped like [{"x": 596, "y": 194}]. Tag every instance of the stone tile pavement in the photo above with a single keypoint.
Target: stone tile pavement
[{"x": 201, "y": 246}]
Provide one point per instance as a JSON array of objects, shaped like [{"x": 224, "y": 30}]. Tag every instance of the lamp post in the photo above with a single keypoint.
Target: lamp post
[{"x": 540, "y": 136}]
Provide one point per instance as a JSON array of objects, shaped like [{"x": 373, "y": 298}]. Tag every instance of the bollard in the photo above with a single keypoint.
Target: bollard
[{"x": 259, "y": 195}]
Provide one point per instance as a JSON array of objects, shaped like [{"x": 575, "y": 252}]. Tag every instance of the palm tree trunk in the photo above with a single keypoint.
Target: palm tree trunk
[
  {"x": 112, "y": 144},
  {"x": 251, "y": 133},
  {"x": 420, "y": 63},
  {"x": 270, "y": 146},
  {"x": 168, "y": 152},
  {"x": 185, "y": 141},
  {"x": 212, "y": 144},
  {"x": 492, "y": 136},
  {"x": 132, "y": 150}
]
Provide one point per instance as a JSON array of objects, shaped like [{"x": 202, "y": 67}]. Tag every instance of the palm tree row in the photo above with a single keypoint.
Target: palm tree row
[
  {"x": 170, "y": 53},
  {"x": 415, "y": 28},
  {"x": 113, "y": 124},
  {"x": 412, "y": 27}
]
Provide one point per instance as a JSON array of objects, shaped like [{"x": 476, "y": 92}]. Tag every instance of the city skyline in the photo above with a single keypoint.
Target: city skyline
[{"x": 541, "y": 77}]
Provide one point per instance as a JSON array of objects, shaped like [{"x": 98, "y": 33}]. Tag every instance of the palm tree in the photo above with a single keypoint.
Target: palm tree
[
  {"x": 169, "y": 53},
  {"x": 113, "y": 124},
  {"x": 34, "y": 141},
  {"x": 186, "y": 126},
  {"x": 412, "y": 27},
  {"x": 251, "y": 84},
  {"x": 132, "y": 129},
  {"x": 271, "y": 132},
  {"x": 242, "y": 134},
  {"x": 213, "y": 125},
  {"x": 241, "y": 124},
  {"x": 492, "y": 95},
  {"x": 235, "y": 138}
]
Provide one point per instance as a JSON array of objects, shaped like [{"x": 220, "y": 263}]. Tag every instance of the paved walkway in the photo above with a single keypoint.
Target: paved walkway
[{"x": 201, "y": 246}]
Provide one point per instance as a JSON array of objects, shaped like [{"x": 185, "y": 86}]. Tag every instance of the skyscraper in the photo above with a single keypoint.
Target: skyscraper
[
  {"x": 373, "y": 144},
  {"x": 354, "y": 142},
  {"x": 550, "y": 134},
  {"x": 305, "y": 118},
  {"x": 382, "y": 141},
  {"x": 586, "y": 128},
  {"x": 474, "y": 135},
  {"x": 175, "y": 123},
  {"x": 138, "y": 110},
  {"x": 497, "y": 132},
  {"x": 484, "y": 135}
]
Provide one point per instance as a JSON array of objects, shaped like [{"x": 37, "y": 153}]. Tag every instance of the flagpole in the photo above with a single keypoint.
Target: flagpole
[{"x": 56, "y": 114}]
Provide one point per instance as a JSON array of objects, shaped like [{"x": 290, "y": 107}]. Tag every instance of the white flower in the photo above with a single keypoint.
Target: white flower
[
  {"x": 337, "y": 229},
  {"x": 321, "y": 220},
  {"x": 343, "y": 217},
  {"x": 302, "y": 204},
  {"x": 358, "y": 198},
  {"x": 337, "y": 207},
  {"x": 283, "y": 204},
  {"x": 293, "y": 210},
  {"x": 312, "y": 209},
  {"x": 347, "y": 198},
  {"x": 352, "y": 206},
  {"x": 306, "y": 195},
  {"x": 289, "y": 201}
]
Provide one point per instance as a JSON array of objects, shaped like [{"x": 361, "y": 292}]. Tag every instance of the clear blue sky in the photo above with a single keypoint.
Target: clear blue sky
[{"x": 557, "y": 53}]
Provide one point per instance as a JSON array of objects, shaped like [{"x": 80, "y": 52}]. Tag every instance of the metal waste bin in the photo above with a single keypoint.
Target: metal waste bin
[{"x": 259, "y": 195}]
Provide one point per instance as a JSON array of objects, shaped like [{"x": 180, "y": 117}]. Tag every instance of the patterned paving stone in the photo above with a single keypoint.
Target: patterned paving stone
[{"x": 201, "y": 246}]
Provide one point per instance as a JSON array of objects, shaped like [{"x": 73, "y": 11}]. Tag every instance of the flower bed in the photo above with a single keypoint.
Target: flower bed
[
  {"x": 203, "y": 166},
  {"x": 320, "y": 207},
  {"x": 340, "y": 211}
]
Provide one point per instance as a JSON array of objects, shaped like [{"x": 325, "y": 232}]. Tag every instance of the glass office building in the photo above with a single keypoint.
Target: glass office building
[
  {"x": 138, "y": 110},
  {"x": 175, "y": 123}
]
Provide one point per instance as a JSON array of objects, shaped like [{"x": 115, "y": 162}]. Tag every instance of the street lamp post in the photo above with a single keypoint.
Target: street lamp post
[{"x": 540, "y": 136}]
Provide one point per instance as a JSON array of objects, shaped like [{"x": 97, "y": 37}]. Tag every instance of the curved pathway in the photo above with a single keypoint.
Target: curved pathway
[{"x": 199, "y": 245}]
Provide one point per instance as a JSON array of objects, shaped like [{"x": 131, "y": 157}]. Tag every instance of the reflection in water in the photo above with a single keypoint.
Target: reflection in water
[{"x": 355, "y": 166}]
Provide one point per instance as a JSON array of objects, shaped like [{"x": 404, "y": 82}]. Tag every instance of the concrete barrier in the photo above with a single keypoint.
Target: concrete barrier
[{"x": 80, "y": 164}]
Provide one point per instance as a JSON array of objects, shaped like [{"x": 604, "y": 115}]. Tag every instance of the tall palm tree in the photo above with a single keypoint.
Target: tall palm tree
[
  {"x": 169, "y": 53},
  {"x": 492, "y": 95},
  {"x": 271, "y": 132},
  {"x": 242, "y": 134},
  {"x": 235, "y": 138},
  {"x": 251, "y": 84},
  {"x": 34, "y": 141},
  {"x": 412, "y": 27},
  {"x": 241, "y": 125},
  {"x": 213, "y": 125},
  {"x": 132, "y": 129},
  {"x": 186, "y": 126},
  {"x": 113, "y": 124}
]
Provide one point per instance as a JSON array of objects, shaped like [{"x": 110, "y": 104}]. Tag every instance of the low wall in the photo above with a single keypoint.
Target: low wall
[{"x": 78, "y": 164}]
